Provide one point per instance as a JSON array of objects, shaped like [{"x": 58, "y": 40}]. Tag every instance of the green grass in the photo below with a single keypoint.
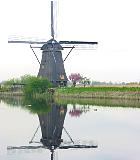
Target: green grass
[
  {"x": 98, "y": 89},
  {"x": 113, "y": 92}
]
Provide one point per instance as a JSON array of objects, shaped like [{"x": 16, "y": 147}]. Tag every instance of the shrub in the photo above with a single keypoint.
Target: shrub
[{"x": 35, "y": 85}]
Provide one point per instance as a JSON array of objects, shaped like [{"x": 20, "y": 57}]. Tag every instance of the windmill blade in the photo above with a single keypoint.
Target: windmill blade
[
  {"x": 26, "y": 42},
  {"x": 25, "y": 147},
  {"x": 53, "y": 51},
  {"x": 78, "y": 146},
  {"x": 52, "y": 21},
  {"x": 77, "y": 42},
  {"x": 54, "y": 57}
]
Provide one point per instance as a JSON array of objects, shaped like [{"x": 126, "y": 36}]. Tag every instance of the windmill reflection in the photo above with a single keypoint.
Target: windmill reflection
[{"x": 52, "y": 124}]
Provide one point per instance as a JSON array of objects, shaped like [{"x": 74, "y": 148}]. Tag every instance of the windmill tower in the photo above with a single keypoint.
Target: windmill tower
[{"x": 52, "y": 63}]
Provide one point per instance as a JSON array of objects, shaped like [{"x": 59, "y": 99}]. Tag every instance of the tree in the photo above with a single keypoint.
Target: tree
[
  {"x": 75, "y": 77},
  {"x": 29, "y": 84},
  {"x": 9, "y": 85},
  {"x": 35, "y": 85}
]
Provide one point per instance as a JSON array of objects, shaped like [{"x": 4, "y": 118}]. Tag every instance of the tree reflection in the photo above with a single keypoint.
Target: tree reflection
[{"x": 77, "y": 111}]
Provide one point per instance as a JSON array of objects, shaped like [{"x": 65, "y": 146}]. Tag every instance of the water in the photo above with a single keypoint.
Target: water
[{"x": 115, "y": 130}]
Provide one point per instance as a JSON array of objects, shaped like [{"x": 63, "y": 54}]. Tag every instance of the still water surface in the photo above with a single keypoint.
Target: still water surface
[{"x": 115, "y": 131}]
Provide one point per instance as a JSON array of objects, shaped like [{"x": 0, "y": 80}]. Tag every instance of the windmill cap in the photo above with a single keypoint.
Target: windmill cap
[{"x": 50, "y": 45}]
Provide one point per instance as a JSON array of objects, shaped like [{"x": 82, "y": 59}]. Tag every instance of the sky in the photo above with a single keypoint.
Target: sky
[{"x": 114, "y": 24}]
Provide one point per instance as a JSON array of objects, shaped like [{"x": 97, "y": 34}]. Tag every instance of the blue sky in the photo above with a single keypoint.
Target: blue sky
[{"x": 113, "y": 23}]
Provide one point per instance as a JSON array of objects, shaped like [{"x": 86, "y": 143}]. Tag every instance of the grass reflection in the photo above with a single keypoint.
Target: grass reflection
[
  {"x": 106, "y": 102},
  {"x": 43, "y": 104}
]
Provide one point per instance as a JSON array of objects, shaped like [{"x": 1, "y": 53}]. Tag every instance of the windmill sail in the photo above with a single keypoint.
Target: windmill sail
[
  {"x": 26, "y": 41},
  {"x": 77, "y": 42},
  {"x": 52, "y": 20}
]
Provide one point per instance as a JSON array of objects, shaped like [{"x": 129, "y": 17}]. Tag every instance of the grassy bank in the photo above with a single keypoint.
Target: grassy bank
[
  {"x": 117, "y": 92},
  {"x": 111, "y": 92}
]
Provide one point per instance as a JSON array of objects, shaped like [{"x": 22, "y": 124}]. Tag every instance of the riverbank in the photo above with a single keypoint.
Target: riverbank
[
  {"x": 102, "y": 92},
  {"x": 112, "y": 92}
]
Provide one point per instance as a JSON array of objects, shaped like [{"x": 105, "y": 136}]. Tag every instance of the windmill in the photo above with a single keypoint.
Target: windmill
[
  {"x": 52, "y": 124},
  {"x": 52, "y": 63}
]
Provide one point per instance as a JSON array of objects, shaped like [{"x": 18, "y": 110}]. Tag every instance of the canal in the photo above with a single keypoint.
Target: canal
[{"x": 40, "y": 129}]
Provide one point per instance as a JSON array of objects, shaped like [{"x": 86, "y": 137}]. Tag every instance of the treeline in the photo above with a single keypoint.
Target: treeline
[
  {"x": 113, "y": 83},
  {"x": 28, "y": 84}
]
